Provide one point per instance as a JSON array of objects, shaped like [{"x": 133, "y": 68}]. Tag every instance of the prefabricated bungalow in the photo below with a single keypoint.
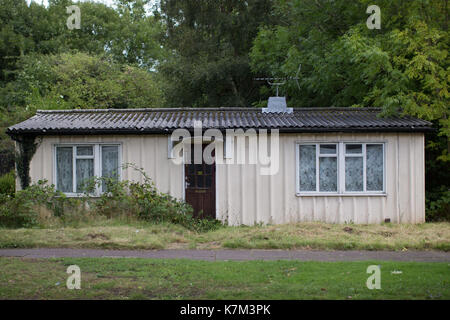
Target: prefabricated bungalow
[{"x": 266, "y": 166}]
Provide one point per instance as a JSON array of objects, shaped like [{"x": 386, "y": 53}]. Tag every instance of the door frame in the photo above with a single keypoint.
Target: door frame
[{"x": 183, "y": 178}]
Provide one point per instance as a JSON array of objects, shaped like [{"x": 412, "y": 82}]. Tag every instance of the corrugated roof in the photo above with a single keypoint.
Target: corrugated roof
[{"x": 110, "y": 121}]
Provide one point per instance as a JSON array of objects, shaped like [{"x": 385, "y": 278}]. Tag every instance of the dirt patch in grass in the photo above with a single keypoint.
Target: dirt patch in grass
[{"x": 100, "y": 236}]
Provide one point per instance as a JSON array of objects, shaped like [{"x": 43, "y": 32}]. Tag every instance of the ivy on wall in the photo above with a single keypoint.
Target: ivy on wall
[{"x": 26, "y": 148}]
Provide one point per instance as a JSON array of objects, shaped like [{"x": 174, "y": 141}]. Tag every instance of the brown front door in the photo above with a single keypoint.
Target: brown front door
[{"x": 200, "y": 182}]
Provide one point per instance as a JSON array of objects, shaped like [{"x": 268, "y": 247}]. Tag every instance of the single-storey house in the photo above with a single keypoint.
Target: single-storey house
[{"x": 336, "y": 165}]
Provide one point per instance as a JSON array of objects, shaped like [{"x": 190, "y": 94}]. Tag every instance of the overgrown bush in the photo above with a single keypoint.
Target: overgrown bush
[
  {"x": 135, "y": 200},
  {"x": 437, "y": 177},
  {"x": 24, "y": 207},
  {"x": 8, "y": 184},
  {"x": 143, "y": 201},
  {"x": 438, "y": 205}
]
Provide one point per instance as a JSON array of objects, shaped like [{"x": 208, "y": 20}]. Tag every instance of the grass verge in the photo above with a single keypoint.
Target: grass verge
[
  {"x": 109, "y": 278},
  {"x": 110, "y": 234}
]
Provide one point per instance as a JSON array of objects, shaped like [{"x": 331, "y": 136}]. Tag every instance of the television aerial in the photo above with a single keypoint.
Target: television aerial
[
  {"x": 277, "y": 82},
  {"x": 278, "y": 104}
]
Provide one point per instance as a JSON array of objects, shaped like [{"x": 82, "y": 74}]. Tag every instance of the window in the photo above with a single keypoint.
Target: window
[
  {"x": 76, "y": 164},
  {"x": 340, "y": 168}
]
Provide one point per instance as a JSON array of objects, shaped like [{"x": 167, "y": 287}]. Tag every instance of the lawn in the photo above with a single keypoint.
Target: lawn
[
  {"x": 113, "y": 234},
  {"x": 126, "y": 278}
]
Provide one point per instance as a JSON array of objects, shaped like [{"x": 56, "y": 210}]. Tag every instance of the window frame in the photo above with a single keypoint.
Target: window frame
[
  {"x": 97, "y": 157},
  {"x": 341, "y": 155}
]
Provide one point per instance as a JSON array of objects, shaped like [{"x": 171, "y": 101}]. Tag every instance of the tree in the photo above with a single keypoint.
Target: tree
[
  {"x": 15, "y": 35},
  {"x": 74, "y": 81},
  {"x": 209, "y": 43},
  {"x": 108, "y": 63},
  {"x": 402, "y": 68},
  {"x": 138, "y": 39},
  {"x": 127, "y": 33},
  {"x": 82, "y": 81}
]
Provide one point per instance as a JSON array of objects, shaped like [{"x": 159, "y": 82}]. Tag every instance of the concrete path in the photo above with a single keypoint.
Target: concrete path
[{"x": 236, "y": 255}]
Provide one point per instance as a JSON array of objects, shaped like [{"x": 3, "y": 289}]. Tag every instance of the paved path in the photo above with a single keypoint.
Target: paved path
[{"x": 237, "y": 255}]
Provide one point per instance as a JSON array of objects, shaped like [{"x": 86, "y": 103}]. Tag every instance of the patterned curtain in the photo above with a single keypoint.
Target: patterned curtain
[
  {"x": 64, "y": 169},
  {"x": 110, "y": 163},
  {"x": 374, "y": 174},
  {"x": 307, "y": 167}
]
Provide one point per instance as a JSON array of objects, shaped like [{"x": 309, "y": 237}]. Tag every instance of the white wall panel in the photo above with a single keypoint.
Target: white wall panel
[{"x": 246, "y": 197}]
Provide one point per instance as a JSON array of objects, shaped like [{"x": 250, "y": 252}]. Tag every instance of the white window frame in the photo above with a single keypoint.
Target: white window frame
[
  {"x": 340, "y": 150},
  {"x": 97, "y": 156}
]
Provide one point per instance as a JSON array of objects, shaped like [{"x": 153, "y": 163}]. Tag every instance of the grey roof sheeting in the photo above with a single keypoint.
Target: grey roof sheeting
[{"x": 110, "y": 121}]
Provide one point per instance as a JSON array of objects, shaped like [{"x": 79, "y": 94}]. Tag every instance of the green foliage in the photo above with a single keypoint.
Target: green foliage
[
  {"x": 107, "y": 63},
  {"x": 127, "y": 33},
  {"x": 23, "y": 209},
  {"x": 27, "y": 146},
  {"x": 401, "y": 68},
  {"x": 143, "y": 201},
  {"x": 81, "y": 81},
  {"x": 438, "y": 205},
  {"x": 209, "y": 43},
  {"x": 73, "y": 81},
  {"x": 437, "y": 177},
  {"x": 137, "y": 39},
  {"x": 8, "y": 184},
  {"x": 133, "y": 200}
]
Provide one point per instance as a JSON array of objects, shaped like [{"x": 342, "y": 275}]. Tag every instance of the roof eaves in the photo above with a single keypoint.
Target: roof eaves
[{"x": 223, "y": 129}]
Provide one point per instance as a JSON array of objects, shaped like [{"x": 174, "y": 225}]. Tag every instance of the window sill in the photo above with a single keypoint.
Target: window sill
[
  {"x": 81, "y": 195},
  {"x": 341, "y": 194}
]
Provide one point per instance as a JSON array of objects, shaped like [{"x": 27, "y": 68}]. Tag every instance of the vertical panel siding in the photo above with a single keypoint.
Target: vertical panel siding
[
  {"x": 144, "y": 151},
  {"x": 246, "y": 197},
  {"x": 277, "y": 201}
]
